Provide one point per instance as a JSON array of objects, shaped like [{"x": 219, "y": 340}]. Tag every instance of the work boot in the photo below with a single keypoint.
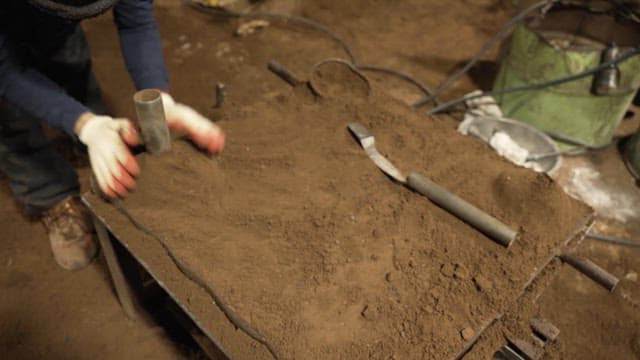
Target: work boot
[{"x": 71, "y": 234}]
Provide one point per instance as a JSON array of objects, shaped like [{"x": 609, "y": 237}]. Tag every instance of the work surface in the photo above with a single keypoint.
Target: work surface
[{"x": 311, "y": 244}]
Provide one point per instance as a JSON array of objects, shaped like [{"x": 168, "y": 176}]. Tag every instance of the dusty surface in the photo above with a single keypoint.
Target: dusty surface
[
  {"x": 322, "y": 254},
  {"x": 435, "y": 37},
  {"x": 301, "y": 234},
  {"x": 593, "y": 323}
]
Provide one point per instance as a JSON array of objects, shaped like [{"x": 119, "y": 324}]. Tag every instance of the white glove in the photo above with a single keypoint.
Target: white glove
[
  {"x": 201, "y": 130},
  {"x": 113, "y": 164}
]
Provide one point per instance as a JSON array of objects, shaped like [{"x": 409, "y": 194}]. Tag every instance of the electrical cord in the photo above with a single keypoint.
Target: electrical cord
[
  {"x": 448, "y": 105},
  {"x": 318, "y": 27},
  {"x": 506, "y": 28},
  {"x": 185, "y": 269},
  {"x": 581, "y": 147},
  {"x": 400, "y": 74}
]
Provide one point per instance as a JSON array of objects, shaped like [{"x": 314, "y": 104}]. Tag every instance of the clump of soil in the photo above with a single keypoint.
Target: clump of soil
[{"x": 311, "y": 244}]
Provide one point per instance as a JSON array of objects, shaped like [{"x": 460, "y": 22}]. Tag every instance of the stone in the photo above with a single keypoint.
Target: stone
[
  {"x": 482, "y": 283},
  {"x": 370, "y": 313},
  {"x": 467, "y": 333},
  {"x": 390, "y": 277},
  {"x": 632, "y": 276},
  {"x": 447, "y": 270},
  {"x": 461, "y": 272}
]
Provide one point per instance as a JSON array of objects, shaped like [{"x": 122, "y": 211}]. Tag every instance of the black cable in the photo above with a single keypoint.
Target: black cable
[
  {"x": 586, "y": 73},
  {"x": 506, "y": 28},
  {"x": 400, "y": 74},
  {"x": 573, "y": 141},
  {"x": 185, "y": 269},
  {"x": 580, "y": 146},
  {"x": 318, "y": 27}
]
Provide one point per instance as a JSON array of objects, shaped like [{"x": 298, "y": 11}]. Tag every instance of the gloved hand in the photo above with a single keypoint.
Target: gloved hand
[
  {"x": 201, "y": 130},
  {"x": 107, "y": 140}
]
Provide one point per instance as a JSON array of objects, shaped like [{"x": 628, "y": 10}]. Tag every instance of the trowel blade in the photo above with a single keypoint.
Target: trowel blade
[{"x": 367, "y": 141}]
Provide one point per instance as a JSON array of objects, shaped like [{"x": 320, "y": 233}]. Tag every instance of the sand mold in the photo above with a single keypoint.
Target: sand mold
[{"x": 328, "y": 258}]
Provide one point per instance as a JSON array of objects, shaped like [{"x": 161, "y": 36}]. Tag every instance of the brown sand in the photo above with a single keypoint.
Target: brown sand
[
  {"x": 301, "y": 234},
  {"x": 48, "y": 312}
]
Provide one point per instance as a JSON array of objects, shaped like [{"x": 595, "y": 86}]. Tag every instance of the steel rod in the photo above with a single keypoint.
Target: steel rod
[
  {"x": 465, "y": 211},
  {"x": 591, "y": 270},
  {"x": 283, "y": 73}
]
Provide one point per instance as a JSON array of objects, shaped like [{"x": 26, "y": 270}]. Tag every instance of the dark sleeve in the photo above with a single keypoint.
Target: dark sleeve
[
  {"x": 140, "y": 43},
  {"x": 36, "y": 94}
]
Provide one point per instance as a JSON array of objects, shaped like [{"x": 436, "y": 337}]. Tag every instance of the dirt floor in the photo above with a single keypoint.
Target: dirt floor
[
  {"x": 47, "y": 312},
  {"x": 364, "y": 274}
]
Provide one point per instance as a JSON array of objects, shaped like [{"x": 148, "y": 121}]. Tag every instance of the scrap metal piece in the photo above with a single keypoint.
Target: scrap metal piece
[
  {"x": 525, "y": 349},
  {"x": 125, "y": 294},
  {"x": 593, "y": 271},
  {"x": 507, "y": 353},
  {"x": 614, "y": 239},
  {"x": 545, "y": 330},
  {"x": 607, "y": 81},
  {"x": 283, "y": 73},
  {"x": 220, "y": 95},
  {"x": 368, "y": 142}
]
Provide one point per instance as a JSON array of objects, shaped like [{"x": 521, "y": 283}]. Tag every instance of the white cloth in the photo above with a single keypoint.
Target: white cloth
[{"x": 485, "y": 107}]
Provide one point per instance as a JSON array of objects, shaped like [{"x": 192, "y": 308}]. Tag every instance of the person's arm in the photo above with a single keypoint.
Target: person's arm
[
  {"x": 35, "y": 94},
  {"x": 106, "y": 138},
  {"x": 142, "y": 51},
  {"x": 140, "y": 43}
]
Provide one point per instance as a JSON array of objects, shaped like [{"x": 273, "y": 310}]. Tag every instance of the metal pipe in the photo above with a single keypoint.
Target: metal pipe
[
  {"x": 220, "y": 95},
  {"x": 152, "y": 121},
  {"x": 593, "y": 271},
  {"x": 613, "y": 240},
  {"x": 282, "y": 72},
  {"x": 465, "y": 211}
]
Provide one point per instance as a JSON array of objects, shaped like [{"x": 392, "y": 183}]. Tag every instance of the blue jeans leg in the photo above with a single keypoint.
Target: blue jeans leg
[{"x": 39, "y": 177}]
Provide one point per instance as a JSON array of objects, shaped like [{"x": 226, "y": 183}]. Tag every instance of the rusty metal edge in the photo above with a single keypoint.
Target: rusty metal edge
[
  {"x": 577, "y": 236},
  {"x": 156, "y": 278}
]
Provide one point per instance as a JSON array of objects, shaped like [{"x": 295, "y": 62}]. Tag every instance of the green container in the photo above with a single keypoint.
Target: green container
[
  {"x": 632, "y": 155},
  {"x": 542, "y": 52}
]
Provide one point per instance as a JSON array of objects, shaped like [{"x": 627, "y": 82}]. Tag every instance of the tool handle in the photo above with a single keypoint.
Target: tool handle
[
  {"x": 283, "y": 73},
  {"x": 593, "y": 271},
  {"x": 466, "y": 212}
]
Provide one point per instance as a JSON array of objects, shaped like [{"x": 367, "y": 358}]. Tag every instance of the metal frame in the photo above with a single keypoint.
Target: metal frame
[{"x": 129, "y": 301}]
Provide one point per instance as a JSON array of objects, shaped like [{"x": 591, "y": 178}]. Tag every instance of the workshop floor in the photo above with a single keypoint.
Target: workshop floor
[{"x": 45, "y": 311}]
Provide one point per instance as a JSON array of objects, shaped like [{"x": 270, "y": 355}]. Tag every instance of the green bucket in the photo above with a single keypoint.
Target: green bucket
[
  {"x": 632, "y": 155},
  {"x": 562, "y": 43}
]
